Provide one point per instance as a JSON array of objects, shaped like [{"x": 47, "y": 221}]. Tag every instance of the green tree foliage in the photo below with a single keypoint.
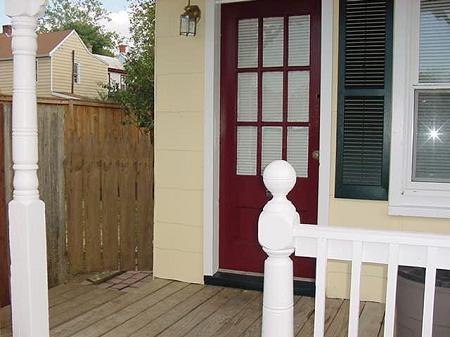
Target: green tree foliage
[
  {"x": 87, "y": 17},
  {"x": 137, "y": 99}
]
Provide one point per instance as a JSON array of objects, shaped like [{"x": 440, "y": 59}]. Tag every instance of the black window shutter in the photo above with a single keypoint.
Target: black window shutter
[{"x": 364, "y": 99}]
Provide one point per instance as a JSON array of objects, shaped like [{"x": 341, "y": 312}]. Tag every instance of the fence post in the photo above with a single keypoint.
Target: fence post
[{"x": 275, "y": 234}]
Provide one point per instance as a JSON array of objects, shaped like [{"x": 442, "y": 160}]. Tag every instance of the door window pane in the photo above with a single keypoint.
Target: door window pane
[
  {"x": 431, "y": 161},
  {"x": 271, "y": 145},
  {"x": 247, "y": 104},
  {"x": 246, "y": 150},
  {"x": 272, "y": 100},
  {"x": 273, "y": 37},
  {"x": 299, "y": 36},
  {"x": 248, "y": 43},
  {"x": 434, "y": 54},
  {"x": 298, "y": 96},
  {"x": 297, "y": 149}
]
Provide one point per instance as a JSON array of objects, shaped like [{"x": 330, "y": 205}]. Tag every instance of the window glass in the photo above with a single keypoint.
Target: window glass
[
  {"x": 246, "y": 150},
  {"x": 248, "y": 43},
  {"x": 431, "y": 162},
  {"x": 434, "y": 51},
  {"x": 271, "y": 145}
]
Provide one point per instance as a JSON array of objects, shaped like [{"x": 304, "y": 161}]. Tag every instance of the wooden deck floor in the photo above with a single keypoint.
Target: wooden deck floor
[{"x": 168, "y": 308}]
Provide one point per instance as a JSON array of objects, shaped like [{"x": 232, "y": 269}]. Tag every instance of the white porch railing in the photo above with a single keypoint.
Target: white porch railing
[{"x": 280, "y": 233}]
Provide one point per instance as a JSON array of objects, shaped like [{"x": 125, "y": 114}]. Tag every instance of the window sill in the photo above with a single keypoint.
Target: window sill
[{"x": 419, "y": 211}]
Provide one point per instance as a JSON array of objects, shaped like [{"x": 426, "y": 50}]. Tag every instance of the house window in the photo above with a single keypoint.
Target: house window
[
  {"x": 76, "y": 72},
  {"x": 364, "y": 99},
  {"x": 421, "y": 110}
]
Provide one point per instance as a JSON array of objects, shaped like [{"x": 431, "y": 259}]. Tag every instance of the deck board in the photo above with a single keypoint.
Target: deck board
[{"x": 173, "y": 309}]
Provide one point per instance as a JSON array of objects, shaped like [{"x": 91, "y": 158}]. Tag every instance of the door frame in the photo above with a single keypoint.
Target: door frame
[{"x": 211, "y": 126}]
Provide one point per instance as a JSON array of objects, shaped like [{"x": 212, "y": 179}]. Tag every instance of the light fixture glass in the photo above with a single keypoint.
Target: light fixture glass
[{"x": 189, "y": 20}]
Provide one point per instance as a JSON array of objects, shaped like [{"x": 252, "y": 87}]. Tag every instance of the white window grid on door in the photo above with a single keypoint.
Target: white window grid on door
[{"x": 272, "y": 80}]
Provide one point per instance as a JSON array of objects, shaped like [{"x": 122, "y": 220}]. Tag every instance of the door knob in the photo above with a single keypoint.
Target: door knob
[{"x": 316, "y": 155}]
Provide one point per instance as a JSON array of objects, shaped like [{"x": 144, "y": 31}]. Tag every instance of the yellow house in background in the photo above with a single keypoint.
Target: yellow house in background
[
  {"x": 65, "y": 66},
  {"x": 212, "y": 128}
]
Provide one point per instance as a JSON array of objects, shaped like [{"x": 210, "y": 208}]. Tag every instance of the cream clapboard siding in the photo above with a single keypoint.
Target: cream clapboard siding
[
  {"x": 178, "y": 147},
  {"x": 6, "y": 77},
  {"x": 366, "y": 214},
  {"x": 44, "y": 77},
  {"x": 43, "y": 71},
  {"x": 93, "y": 71}
]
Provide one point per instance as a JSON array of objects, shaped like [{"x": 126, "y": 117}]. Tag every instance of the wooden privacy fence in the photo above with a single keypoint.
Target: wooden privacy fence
[
  {"x": 109, "y": 196},
  {"x": 96, "y": 179}
]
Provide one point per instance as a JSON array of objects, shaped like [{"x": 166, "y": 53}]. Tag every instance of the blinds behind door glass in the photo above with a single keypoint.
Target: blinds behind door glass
[
  {"x": 272, "y": 100},
  {"x": 297, "y": 149},
  {"x": 246, "y": 150},
  {"x": 432, "y": 137},
  {"x": 434, "y": 64},
  {"x": 271, "y": 145},
  {"x": 299, "y": 44},
  {"x": 247, "y": 103},
  {"x": 298, "y": 96},
  {"x": 273, "y": 34},
  {"x": 248, "y": 43}
]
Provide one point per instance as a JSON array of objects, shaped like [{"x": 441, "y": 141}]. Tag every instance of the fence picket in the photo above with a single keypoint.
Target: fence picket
[
  {"x": 110, "y": 215},
  {"x": 321, "y": 275},
  {"x": 391, "y": 291},
  {"x": 353, "y": 322},
  {"x": 428, "y": 298}
]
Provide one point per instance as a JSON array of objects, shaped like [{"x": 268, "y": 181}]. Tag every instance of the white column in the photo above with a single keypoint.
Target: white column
[
  {"x": 29, "y": 294},
  {"x": 275, "y": 234}
]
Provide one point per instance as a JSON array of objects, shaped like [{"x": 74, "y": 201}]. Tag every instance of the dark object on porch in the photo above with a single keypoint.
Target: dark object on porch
[
  {"x": 410, "y": 292},
  {"x": 254, "y": 282}
]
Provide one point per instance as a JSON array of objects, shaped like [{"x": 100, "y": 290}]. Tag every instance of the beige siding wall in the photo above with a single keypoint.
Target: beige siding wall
[
  {"x": 367, "y": 214},
  {"x": 6, "y": 77},
  {"x": 43, "y": 71},
  {"x": 178, "y": 147},
  {"x": 44, "y": 77},
  {"x": 93, "y": 71}
]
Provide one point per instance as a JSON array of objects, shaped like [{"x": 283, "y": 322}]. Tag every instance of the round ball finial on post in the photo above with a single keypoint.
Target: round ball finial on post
[
  {"x": 275, "y": 234},
  {"x": 279, "y": 177}
]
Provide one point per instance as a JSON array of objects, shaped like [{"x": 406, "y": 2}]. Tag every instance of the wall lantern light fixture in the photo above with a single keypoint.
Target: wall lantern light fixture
[{"x": 189, "y": 20}]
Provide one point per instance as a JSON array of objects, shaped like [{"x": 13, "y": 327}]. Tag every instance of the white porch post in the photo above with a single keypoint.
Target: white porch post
[
  {"x": 275, "y": 234},
  {"x": 29, "y": 292}
]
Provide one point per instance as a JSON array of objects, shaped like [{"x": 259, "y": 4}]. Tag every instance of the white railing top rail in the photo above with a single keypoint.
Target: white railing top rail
[
  {"x": 281, "y": 234},
  {"x": 413, "y": 247}
]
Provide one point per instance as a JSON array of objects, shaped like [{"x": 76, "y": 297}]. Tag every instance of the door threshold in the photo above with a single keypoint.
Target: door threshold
[{"x": 254, "y": 281}]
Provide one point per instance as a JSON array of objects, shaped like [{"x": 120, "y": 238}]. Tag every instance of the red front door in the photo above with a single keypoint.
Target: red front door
[{"x": 270, "y": 75}]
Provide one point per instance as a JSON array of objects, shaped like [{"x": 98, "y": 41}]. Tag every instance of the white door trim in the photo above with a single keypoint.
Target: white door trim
[{"x": 211, "y": 127}]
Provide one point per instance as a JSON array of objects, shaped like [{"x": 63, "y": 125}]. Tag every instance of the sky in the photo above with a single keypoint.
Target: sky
[{"x": 119, "y": 17}]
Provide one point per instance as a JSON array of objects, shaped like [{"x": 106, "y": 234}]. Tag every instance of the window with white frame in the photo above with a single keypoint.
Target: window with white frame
[
  {"x": 420, "y": 160},
  {"x": 76, "y": 72}
]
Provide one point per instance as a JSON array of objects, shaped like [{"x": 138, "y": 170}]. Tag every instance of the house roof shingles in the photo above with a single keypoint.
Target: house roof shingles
[{"x": 46, "y": 43}]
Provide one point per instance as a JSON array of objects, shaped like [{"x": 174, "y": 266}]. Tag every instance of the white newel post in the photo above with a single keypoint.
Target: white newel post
[
  {"x": 275, "y": 234},
  {"x": 29, "y": 292}
]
